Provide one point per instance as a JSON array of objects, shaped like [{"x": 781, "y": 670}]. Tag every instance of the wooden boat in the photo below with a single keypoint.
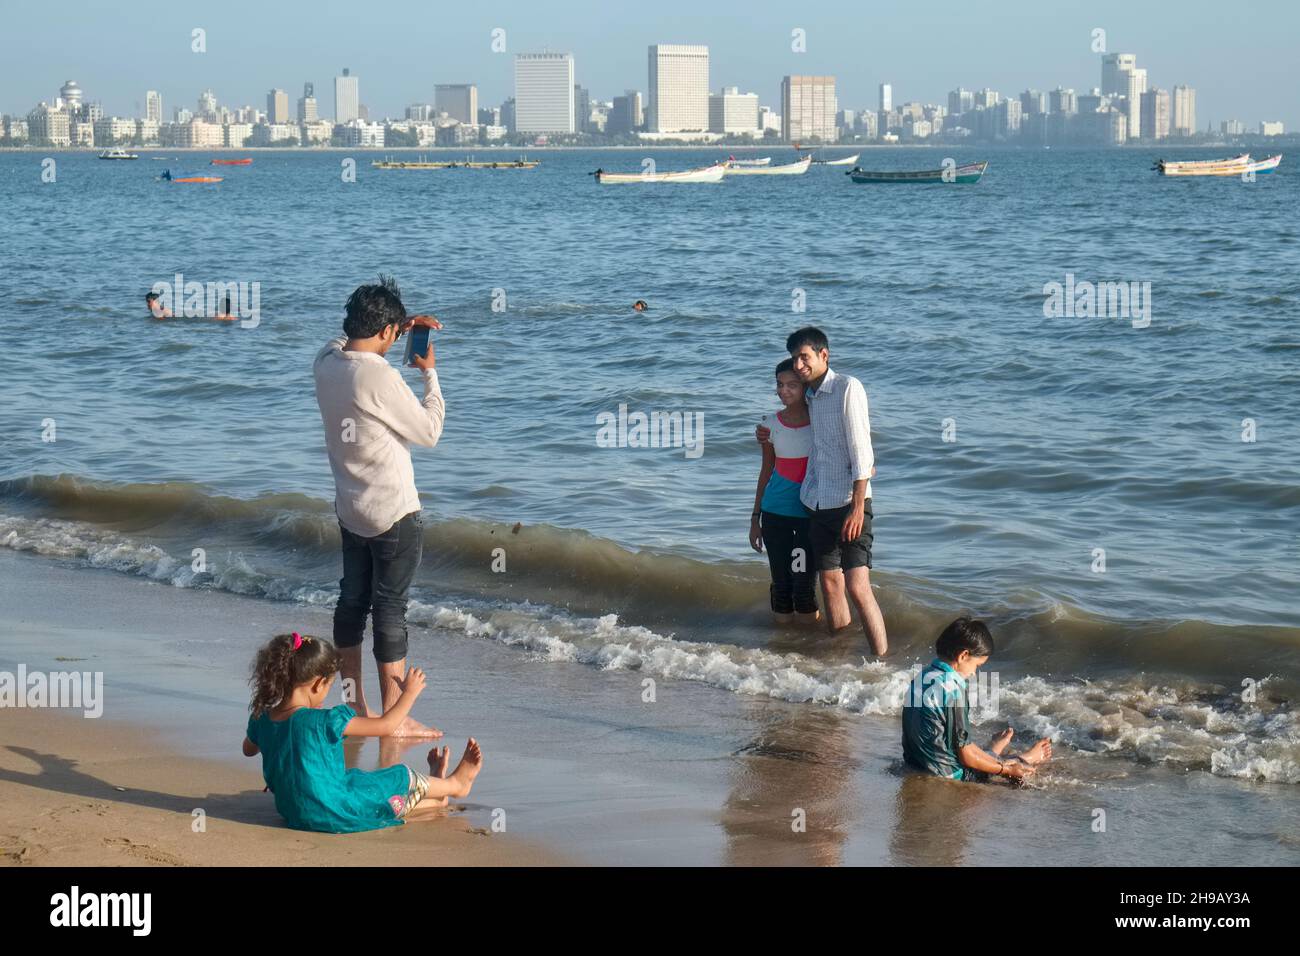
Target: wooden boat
[
  {"x": 1203, "y": 167},
  {"x": 232, "y": 162},
  {"x": 846, "y": 161},
  {"x": 453, "y": 164},
  {"x": 789, "y": 169},
  {"x": 117, "y": 152},
  {"x": 969, "y": 173},
  {"x": 1265, "y": 165},
  {"x": 761, "y": 161},
  {"x": 704, "y": 174}
]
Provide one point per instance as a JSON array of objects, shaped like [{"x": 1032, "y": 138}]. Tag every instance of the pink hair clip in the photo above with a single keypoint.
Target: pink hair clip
[{"x": 297, "y": 640}]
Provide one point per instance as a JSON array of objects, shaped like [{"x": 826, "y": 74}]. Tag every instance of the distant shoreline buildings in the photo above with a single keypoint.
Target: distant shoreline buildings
[{"x": 679, "y": 105}]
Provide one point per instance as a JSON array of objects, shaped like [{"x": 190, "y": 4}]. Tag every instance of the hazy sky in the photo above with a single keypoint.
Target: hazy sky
[{"x": 1234, "y": 54}]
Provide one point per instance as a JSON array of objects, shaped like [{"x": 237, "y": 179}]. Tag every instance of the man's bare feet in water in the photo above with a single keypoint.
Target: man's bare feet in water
[
  {"x": 410, "y": 727},
  {"x": 468, "y": 768},
  {"x": 1001, "y": 741}
]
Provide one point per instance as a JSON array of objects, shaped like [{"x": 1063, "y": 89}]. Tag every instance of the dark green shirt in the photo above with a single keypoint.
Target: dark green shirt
[{"x": 936, "y": 721}]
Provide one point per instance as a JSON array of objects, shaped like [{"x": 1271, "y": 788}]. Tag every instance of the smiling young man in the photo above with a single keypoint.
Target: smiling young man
[
  {"x": 837, "y": 488},
  {"x": 371, "y": 419}
]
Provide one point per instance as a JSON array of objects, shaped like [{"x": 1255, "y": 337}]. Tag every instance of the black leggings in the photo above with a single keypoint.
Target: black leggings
[{"x": 793, "y": 584}]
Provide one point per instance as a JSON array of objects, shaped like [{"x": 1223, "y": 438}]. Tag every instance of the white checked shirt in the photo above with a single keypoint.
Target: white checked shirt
[{"x": 841, "y": 442}]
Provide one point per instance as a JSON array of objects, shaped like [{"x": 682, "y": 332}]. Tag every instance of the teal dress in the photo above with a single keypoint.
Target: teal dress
[{"x": 302, "y": 762}]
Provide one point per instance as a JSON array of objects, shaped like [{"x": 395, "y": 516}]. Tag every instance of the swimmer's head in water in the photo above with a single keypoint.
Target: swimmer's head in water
[
  {"x": 151, "y": 297},
  {"x": 640, "y": 305}
]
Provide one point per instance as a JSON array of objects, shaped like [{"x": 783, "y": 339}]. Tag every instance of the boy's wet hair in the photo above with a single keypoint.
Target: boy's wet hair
[
  {"x": 372, "y": 308},
  {"x": 965, "y": 634},
  {"x": 150, "y": 296},
  {"x": 279, "y": 668},
  {"x": 809, "y": 335},
  {"x": 785, "y": 366}
]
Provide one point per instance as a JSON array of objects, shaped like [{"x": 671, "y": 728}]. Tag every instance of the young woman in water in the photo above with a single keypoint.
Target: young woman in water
[{"x": 779, "y": 520}]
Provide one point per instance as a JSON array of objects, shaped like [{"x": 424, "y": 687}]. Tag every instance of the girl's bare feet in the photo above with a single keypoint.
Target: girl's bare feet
[
  {"x": 439, "y": 758},
  {"x": 468, "y": 768},
  {"x": 1001, "y": 740}
]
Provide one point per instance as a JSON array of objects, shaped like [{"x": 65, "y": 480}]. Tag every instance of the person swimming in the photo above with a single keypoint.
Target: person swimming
[
  {"x": 640, "y": 305},
  {"x": 155, "y": 306}
]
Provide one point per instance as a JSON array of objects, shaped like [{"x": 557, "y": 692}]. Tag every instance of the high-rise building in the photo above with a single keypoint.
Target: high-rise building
[
  {"x": 626, "y": 115},
  {"x": 1009, "y": 114},
  {"x": 544, "y": 93},
  {"x": 961, "y": 101},
  {"x": 347, "y": 97},
  {"x": 581, "y": 108},
  {"x": 1113, "y": 68},
  {"x": 1275, "y": 128},
  {"x": 731, "y": 111},
  {"x": 678, "y": 95},
  {"x": 986, "y": 99},
  {"x": 808, "y": 107},
  {"x": 49, "y": 125},
  {"x": 307, "y": 109},
  {"x": 1232, "y": 127},
  {"x": 1156, "y": 108},
  {"x": 277, "y": 106},
  {"x": 886, "y": 98},
  {"x": 457, "y": 100},
  {"x": 1062, "y": 101},
  {"x": 1184, "y": 119},
  {"x": 1032, "y": 101},
  {"x": 508, "y": 114},
  {"x": 153, "y": 106},
  {"x": 207, "y": 106}
]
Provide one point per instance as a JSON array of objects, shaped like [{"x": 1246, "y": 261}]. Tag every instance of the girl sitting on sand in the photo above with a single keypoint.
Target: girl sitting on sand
[
  {"x": 780, "y": 520},
  {"x": 302, "y": 745}
]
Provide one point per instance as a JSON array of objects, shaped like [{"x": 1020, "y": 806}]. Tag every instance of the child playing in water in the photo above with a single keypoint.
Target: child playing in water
[
  {"x": 936, "y": 714},
  {"x": 779, "y": 520},
  {"x": 302, "y": 745}
]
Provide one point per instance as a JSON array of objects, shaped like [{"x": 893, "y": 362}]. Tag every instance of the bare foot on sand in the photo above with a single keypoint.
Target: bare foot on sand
[
  {"x": 1001, "y": 740},
  {"x": 413, "y": 728},
  {"x": 1039, "y": 753},
  {"x": 439, "y": 758},
  {"x": 468, "y": 768}
]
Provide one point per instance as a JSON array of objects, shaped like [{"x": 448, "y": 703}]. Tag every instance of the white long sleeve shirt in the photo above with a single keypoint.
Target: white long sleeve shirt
[
  {"x": 371, "y": 417},
  {"x": 841, "y": 450}
]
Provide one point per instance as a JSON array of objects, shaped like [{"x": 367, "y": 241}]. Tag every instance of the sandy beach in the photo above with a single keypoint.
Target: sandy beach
[{"x": 577, "y": 766}]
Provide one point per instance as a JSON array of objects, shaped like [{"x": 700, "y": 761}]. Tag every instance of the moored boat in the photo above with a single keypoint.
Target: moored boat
[
  {"x": 117, "y": 152},
  {"x": 704, "y": 174},
  {"x": 789, "y": 169},
  {"x": 760, "y": 161},
  {"x": 846, "y": 161},
  {"x": 1265, "y": 165},
  {"x": 232, "y": 162},
  {"x": 969, "y": 173},
  {"x": 522, "y": 163},
  {"x": 1203, "y": 167}
]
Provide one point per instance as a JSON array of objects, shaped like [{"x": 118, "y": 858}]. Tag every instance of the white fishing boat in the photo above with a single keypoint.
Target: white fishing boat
[
  {"x": 117, "y": 152},
  {"x": 761, "y": 161},
  {"x": 1203, "y": 167},
  {"x": 704, "y": 174},
  {"x": 1265, "y": 165},
  {"x": 789, "y": 169},
  {"x": 846, "y": 161}
]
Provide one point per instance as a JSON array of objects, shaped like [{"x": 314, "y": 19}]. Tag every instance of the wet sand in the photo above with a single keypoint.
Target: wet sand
[{"x": 580, "y": 765}]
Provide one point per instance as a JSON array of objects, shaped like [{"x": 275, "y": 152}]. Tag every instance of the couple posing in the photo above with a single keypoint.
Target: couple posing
[{"x": 812, "y": 507}]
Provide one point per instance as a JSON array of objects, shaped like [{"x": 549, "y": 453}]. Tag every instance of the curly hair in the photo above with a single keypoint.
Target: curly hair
[{"x": 279, "y": 668}]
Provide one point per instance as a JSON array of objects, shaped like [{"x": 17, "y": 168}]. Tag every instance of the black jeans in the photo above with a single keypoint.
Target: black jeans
[
  {"x": 377, "y": 573},
  {"x": 792, "y": 590}
]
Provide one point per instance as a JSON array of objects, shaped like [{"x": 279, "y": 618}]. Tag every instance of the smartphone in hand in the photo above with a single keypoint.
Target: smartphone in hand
[{"x": 417, "y": 343}]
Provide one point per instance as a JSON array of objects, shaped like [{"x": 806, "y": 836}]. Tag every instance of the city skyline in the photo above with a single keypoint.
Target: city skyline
[{"x": 1015, "y": 49}]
